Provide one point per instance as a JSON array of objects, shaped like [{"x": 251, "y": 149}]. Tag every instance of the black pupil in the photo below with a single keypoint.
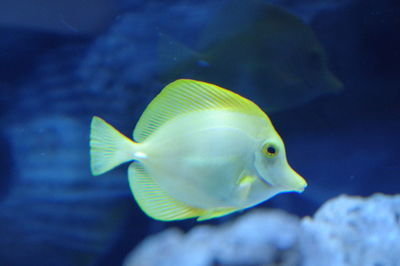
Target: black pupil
[{"x": 271, "y": 150}]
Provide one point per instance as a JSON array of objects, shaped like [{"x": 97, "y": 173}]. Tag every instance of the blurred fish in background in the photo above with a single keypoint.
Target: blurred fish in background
[{"x": 257, "y": 49}]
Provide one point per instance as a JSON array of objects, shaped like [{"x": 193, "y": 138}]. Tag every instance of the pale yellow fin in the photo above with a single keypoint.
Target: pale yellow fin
[
  {"x": 154, "y": 201},
  {"x": 108, "y": 147},
  {"x": 185, "y": 95},
  {"x": 244, "y": 186},
  {"x": 216, "y": 213}
]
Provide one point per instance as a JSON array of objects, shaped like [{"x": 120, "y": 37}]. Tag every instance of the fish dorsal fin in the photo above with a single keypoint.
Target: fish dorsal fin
[
  {"x": 183, "y": 96},
  {"x": 154, "y": 201}
]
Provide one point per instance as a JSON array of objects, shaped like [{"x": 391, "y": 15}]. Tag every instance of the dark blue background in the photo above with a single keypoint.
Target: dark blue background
[{"x": 53, "y": 212}]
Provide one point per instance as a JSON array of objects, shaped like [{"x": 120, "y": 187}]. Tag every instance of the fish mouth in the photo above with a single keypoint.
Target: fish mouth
[{"x": 300, "y": 190}]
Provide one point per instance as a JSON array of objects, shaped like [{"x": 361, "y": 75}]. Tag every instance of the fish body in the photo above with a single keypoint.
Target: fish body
[{"x": 201, "y": 151}]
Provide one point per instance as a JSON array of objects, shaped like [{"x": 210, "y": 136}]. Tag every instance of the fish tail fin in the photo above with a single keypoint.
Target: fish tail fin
[{"x": 108, "y": 147}]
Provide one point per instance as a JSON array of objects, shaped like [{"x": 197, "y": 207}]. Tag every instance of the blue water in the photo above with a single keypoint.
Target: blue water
[{"x": 56, "y": 72}]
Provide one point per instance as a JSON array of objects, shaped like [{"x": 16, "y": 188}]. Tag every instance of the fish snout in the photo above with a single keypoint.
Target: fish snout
[{"x": 294, "y": 181}]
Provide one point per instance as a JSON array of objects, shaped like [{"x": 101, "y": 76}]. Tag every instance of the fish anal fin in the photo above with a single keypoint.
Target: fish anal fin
[
  {"x": 155, "y": 202},
  {"x": 215, "y": 213}
]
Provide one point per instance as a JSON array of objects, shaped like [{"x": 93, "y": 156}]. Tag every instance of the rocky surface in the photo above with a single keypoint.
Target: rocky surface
[
  {"x": 251, "y": 239},
  {"x": 345, "y": 231},
  {"x": 353, "y": 231}
]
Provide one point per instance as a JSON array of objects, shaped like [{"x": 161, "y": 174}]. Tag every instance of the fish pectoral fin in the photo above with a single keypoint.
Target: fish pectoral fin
[
  {"x": 244, "y": 186},
  {"x": 244, "y": 183},
  {"x": 216, "y": 213},
  {"x": 155, "y": 202}
]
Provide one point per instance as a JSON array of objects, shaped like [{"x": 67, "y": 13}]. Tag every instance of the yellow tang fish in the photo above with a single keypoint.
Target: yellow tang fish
[{"x": 202, "y": 151}]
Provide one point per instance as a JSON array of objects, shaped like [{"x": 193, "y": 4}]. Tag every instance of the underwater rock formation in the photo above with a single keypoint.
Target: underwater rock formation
[
  {"x": 344, "y": 231},
  {"x": 258, "y": 238},
  {"x": 353, "y": 231}
]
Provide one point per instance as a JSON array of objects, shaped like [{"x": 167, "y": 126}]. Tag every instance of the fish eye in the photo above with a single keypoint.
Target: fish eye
[{"x": 270, "y": 150}]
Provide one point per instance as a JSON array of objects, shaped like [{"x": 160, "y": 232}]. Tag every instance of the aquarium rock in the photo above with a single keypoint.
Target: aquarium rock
[
  {"x": 261, "y": 237},
  {"x": 353, "y": 231},
  {"x": 345, "y": 231}
]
